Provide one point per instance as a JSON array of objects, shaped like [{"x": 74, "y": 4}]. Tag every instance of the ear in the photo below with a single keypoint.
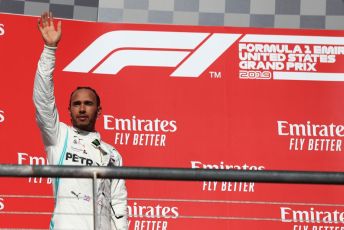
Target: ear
[{"x": 99, "y": 111}]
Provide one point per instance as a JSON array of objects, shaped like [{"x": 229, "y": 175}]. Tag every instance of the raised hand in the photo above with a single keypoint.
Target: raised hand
[{"x": 50, "y": 35}]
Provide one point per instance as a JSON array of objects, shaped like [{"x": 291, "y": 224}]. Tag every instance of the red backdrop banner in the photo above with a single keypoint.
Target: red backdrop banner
[{"x": 192, "y": 97}]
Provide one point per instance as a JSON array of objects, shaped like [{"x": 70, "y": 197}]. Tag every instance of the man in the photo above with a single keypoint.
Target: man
[{"x": 76, "y": 145}]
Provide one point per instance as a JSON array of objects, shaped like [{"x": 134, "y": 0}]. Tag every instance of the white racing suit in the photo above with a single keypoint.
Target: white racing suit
[{"x": 67, "y": 145}]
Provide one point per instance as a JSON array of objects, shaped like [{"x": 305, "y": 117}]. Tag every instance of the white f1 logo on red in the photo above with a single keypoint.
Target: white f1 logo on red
[{"x": 192, "y": 52}]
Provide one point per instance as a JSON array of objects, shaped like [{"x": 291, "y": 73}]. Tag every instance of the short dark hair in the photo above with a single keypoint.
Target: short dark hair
[{"x": 85, "y": 87}]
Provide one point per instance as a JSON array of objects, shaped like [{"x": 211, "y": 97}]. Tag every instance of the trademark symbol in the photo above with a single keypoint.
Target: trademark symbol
[{"x": 214, "y": 74}]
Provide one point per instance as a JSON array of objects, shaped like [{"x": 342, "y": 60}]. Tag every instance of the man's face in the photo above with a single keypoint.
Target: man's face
[{"x": 84, "y": 109}]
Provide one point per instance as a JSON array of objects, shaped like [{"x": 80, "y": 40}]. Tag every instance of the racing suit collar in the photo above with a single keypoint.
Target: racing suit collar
[{"x": 91, "y": 135}]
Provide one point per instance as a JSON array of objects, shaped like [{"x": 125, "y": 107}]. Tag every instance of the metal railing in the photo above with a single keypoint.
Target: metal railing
[{"x": 182, "y": 174}]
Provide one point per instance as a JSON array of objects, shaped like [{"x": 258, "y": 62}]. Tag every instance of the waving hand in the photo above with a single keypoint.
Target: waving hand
[{"x": 50, "y": 34}]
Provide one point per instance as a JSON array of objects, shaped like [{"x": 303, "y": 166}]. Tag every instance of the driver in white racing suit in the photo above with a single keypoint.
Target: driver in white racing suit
[{"x": 77, "y": 145}]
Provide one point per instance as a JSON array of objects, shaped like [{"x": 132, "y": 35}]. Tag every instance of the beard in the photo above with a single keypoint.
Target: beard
[{"x": 86, "y": 125}]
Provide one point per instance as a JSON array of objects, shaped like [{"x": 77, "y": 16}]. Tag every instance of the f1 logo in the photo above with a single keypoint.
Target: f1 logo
[{"x": 192, "y": 53}]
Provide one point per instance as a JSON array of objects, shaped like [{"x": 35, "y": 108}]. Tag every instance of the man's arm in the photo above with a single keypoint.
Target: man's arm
[
  {"x": 43, "y": 94},
  {"x": 119, "y": 198}
]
